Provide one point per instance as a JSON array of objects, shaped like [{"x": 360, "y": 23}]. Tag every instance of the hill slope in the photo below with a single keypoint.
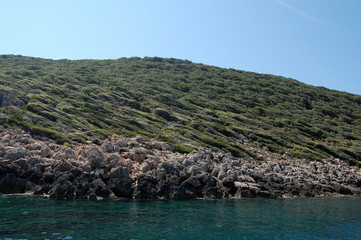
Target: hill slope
[{"x": 185, "y": 104}]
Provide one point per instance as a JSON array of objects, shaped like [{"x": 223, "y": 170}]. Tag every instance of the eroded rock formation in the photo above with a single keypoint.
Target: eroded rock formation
[{"x": 137, "y": 168}]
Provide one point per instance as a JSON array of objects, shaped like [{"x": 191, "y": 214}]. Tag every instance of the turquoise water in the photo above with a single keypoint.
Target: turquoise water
[{"x": 299, "y": 218}]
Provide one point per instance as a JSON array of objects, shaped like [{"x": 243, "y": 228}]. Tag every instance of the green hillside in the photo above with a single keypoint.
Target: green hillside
[{"x": 185, "y": 104}]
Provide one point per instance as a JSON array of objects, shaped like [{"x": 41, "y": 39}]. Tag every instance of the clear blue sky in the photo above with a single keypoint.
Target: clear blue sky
[{"x": 314, "y": 41}]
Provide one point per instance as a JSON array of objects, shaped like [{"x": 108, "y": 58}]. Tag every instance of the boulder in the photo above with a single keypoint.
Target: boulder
[
  {"x": 100, "y": 189},
  {"x": 137, "y": 155},
  {"x": 10, "y": 183},
  {"x": 96, "y": 162},
  {"x": 162, "y": 146},
  {"x": 82, "y": 189},
  {"x": 34, "y": 146},
  {"x": 119, "y": 172},
  {"x": 33, "y": 174},
  {"x": 16, "y": 154},
  {"x": 95, "y": 151},
  {"x": 45, "y": 152},
  {"x": 121, "y": 187},
  {"x": 107, "y": 147},
  {"x": 145, "y": 188},
  {"x": 62, "y": 190}
]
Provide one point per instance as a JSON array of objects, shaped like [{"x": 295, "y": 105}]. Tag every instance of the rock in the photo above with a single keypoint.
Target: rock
[
  {"x": 16, "y": 154},
  {"x": 192, "y": 187},
  {"x": 119, "y": 172},
  {"x": 96, "y": 162},
  {"x": 145, "y": 188},
  {"x": 69, "y": 153},
  {"x": 140, "y": 139},
  {"x": 85, "y": 168},
  {"x": 107, "y": 147},
  {"x": 121, "y": 143},
  {"x": 100, "y": 188},
  {"x": 33, "y": 174},
  {"x": 113, "y": 157},
  {"x": 97, "y": 141},
  {"x": 66, "y": 153},
  {"x": 161, "y": 146},
  {"x": 94, "y": 150},
  {"x": 45, "y": 152},
  {"x": 10, "y": 183},
  {"x": 99, "y": 173},
  {"x": 194, "y": 170},
  {"x": 34, "y": 146},
  {"x": 145, "y": 167},
  {"x": 63, "y": 166},
  {"x": 41, "y": 190},
  {"x": 63, "y": 190},
  {"x": 137, "y": 155},
  {"x": 121, "y": 187},
  {"x": 133, "y": 144},
  {"x": 151, "y": 170},
  {"x": 82, "y": 189},
  {"x": 48, "y": 177}
]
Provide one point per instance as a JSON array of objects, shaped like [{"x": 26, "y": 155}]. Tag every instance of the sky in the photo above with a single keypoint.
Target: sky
[{"x": 317, "y": 42}]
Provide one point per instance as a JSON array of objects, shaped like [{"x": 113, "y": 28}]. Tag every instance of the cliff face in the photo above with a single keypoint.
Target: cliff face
[{"x": 137, "y": 168}]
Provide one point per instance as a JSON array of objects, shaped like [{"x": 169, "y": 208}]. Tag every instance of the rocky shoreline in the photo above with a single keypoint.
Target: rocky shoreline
[{"x": 141, "y": 169}]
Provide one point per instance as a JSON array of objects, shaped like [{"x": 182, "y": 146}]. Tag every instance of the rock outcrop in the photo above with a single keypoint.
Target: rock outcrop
[{"x": 136, "y": 168}]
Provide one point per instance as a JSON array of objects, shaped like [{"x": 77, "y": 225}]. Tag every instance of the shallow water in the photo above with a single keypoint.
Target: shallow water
[{"x": 298, "y": 218}]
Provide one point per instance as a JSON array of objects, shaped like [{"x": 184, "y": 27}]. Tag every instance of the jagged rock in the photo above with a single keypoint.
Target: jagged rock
[
  {"x": 82, "y": 189},
  {"x": 95, "y": 151},
  {"x": 70, "y": 154},
  {"x": 96, "y": 162},
  {"x": 34, "y": 146},
  {"x": 33, "y": 174},
  {"x": 16, "y": 154},
  {"x": 63, "y": 166},
  {"x": 137, "y": 155},
  {"x": 145, "y": 187},
  {"x": 45, "y": 152},
  {"x": 121, "y": 143},
  {"x": 140, "y": 169},
  {"x": 107, "y": 147},
  {"x": 121, "y": 187},
  {"x": 62, "y": 190},
  {"x": 100, "y": 188},
  {"x": 48, "y": 177},
  {"x": 192, "y": 187},
  {"x": 10, "y": 183},
  {"x": 119, "y": 172},
  {"x": 161, "y": 146}
]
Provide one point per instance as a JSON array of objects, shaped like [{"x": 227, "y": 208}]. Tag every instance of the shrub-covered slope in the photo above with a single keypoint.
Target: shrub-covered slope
[{"x": 185, "y": 104}]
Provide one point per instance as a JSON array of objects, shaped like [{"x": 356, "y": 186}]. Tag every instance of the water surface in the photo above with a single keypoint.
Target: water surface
[{"x": 298, "y": 218}]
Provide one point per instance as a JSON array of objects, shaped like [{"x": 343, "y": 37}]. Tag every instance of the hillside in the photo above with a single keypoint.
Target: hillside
[{"x": 187, "y": 105}]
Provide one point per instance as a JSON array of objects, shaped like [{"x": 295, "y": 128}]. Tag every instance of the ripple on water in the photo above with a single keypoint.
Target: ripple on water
[{"x": 301, "y": 218}]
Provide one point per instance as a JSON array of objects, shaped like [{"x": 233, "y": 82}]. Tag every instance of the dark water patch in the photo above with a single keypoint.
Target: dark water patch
[{"x": 299, "y": 218}]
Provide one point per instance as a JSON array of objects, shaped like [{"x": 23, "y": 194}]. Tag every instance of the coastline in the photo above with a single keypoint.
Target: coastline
[{"x": 140, "y": 169}]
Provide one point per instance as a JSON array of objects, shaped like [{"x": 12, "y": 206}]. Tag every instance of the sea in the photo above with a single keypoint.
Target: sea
[{"x": 23, "y": 217}]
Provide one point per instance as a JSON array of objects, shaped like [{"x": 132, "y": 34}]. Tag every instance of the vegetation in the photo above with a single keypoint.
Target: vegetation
[{"x": 185, "y": 104}]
